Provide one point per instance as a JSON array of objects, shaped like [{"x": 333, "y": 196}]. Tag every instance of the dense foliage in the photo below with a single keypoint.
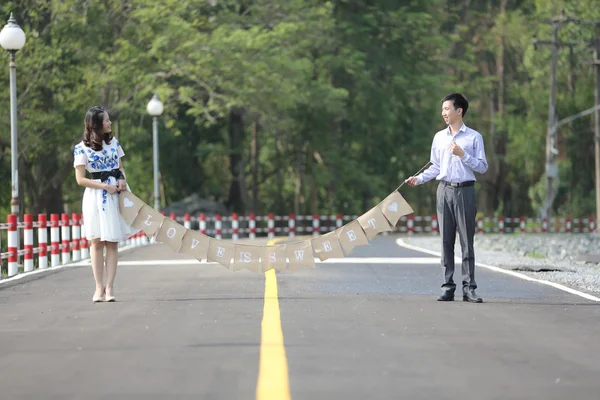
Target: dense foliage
[{"x": 298, "y": 105}]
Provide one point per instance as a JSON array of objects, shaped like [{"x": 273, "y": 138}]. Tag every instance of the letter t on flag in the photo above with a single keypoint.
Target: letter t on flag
[{"x": 374, "y": 222}]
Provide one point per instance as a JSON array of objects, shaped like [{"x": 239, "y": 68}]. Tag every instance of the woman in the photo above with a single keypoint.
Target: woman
[{"x": 100, "y": 154}]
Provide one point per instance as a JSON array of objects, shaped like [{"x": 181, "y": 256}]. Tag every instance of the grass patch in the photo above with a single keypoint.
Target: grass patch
[{"x": 535, "y": 254}]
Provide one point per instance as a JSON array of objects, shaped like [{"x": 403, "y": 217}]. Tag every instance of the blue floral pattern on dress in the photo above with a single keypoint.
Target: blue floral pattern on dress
[{"x": 104, "y": 160}]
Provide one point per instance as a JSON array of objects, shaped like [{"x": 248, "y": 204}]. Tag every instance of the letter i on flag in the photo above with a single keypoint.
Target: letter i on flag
[{"x": 247, "y": 256}]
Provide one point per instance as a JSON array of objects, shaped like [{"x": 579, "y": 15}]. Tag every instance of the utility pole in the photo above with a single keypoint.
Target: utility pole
[
  {"x": 551, "y": 151},
  {"x": 596, "y": 63},
  {"x": 597, "y": 122},
  {"x": 552, "y": 128}
]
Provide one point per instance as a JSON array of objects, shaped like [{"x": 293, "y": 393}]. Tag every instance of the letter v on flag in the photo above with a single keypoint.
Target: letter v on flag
[{"x": 195, "y": 244}]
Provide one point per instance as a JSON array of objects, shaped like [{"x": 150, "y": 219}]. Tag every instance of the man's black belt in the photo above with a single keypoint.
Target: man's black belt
[
  {"x": 459, "y": 184},
  {"x": 104, "y": 175}
]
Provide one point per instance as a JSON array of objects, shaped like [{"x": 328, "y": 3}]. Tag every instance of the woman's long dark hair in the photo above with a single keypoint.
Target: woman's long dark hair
[{"x": 94, "y": 135}]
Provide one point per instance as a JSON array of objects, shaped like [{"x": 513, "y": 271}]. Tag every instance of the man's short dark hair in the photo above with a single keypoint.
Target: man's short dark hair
[{"x": 459, "y": 101}]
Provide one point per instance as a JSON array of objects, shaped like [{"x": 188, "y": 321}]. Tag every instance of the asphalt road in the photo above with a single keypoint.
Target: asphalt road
[{"x": 350, "y": 330}]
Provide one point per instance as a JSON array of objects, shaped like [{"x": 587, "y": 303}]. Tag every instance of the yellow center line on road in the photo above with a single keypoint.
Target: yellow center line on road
[{"x": 273, "y": 379}]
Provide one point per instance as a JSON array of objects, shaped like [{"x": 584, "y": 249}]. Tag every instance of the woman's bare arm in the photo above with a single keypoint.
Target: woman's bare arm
[
  {"x": 122, "y": 181},
  {"x": 86, "y": 182}
]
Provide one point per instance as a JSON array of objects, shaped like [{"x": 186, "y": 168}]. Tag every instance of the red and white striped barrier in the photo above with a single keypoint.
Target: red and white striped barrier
[
  {"x": 28, "y": 242},
  {"x": 42, "y": 241},
  {"x": 13, "y": 266},
  {"x": 67, "y": 237},
  {"x": 252, "y": 226},
  {"x": 292, "y": 225},
  {"x": 54, "y": 240},
  {"x": 235, "y": 226},
  {"x": 271, "y": 226},
  {"x": 203, "y": 224},
  {"x": 76, "y": 237},
  {"x": 85, "y": 251},
  {"x": 218, "y": 227}
]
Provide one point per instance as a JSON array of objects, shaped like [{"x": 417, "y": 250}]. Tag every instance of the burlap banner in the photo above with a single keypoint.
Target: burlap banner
[
  {"x": 195, "y": 244},
  {"x": 258, "y": 258},
  {"x": 273, "y": 257}
]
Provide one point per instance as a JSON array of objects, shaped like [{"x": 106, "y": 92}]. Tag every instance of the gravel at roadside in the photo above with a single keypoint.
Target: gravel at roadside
[{"x": 571, "y": 259}]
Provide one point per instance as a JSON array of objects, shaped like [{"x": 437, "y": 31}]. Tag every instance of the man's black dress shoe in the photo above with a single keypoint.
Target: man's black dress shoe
[
  {"x": 470, "y": 296},
  {"x": 448, "y": 295}
]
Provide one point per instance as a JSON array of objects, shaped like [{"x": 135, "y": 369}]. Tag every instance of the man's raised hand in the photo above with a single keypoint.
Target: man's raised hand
[{"x": 412, "y": 181}]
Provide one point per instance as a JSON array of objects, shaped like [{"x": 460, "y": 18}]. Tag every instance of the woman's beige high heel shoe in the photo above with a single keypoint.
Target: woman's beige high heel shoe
[
  {"x": 110, "y": 298},
  {"x": 98, "y": 299}
]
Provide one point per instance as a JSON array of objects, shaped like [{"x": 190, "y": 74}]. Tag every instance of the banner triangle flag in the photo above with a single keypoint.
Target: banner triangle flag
[{"x": 394, "y": 206}]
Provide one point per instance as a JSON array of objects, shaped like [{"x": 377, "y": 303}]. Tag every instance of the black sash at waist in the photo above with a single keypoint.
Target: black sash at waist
[{"x": 104, "y": 175}]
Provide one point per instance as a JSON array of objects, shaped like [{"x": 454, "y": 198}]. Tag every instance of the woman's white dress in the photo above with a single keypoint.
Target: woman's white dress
[{"x": 101, "y": 217}]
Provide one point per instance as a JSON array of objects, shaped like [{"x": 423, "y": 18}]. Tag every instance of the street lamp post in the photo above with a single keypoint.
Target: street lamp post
[
  {"x": 12, "y": 39},
  {"x": 155, "y": 109}
]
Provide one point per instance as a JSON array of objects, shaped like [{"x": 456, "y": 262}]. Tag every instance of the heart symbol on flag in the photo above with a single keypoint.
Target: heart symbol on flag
[
  {"x": 127, "y": 203},
  {"x": 393, "y": 207}
]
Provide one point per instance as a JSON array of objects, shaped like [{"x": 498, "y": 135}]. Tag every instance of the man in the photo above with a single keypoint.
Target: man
[{"x": 456, "y": 153}]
